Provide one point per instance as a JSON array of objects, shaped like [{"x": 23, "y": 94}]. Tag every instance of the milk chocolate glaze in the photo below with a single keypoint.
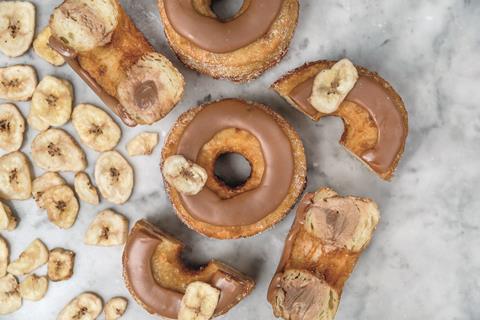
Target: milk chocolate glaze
[
  {"x": 70, "y": 57},
  {"x": 251, "y": 206},
  {"x": 137, "y": 271},
  {"x": 145, "y": 94},
  {"x": 370, "y": 95},
  {"x": 221, "y": 37}
]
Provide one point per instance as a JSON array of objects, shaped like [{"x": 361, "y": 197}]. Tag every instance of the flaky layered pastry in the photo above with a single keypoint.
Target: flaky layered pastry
[
  {"x": 374, "y": 115},
  {"x": 327, "y": 237},
  {"x": 101, "y": 43},
  {"x": 239, "y": 49},
  {"x": 159, "y": 281}
]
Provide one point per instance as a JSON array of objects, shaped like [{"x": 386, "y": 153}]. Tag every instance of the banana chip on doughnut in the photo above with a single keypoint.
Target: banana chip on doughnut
[
  {"x": 199, "y": 302},
  {"x": 184, "y": 175},
  {"x": 331, "y": 86}
]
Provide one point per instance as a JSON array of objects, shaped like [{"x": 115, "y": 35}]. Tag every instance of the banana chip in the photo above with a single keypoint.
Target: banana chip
[
  {"x": 17, "y": 83},
  {"x": 17, "y": 26},
  {"x": 107, "y": 229},
  {"x": 44, "y": 182},
  {"x": 61, "y": 205},
  {"x": 114, "y": 177},
  {"x": 15, "y": 177},
  {"x": 43, "y": 49},
  {"x": 33, "y": 257},
  {"x": 12, "y": 127},
  {"x": 8, "y": 221}
]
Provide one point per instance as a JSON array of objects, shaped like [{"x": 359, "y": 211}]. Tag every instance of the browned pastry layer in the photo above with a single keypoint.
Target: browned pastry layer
[
  {"x": 240, "y": 64},
  {"x": 266, "y": 140},
  {"x": 157, "y": 278},
  {"x": 361, "y": 134},
  {"x": 327, "y": 237},
  {"x": 140, "y": 85}
]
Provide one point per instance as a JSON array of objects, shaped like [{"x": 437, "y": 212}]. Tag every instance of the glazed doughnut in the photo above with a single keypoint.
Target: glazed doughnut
[
  {"x": 101, "y": 43},
  {"x": 239, "y": 49},
  {"x": 156, "y": 276},
  {"x": 273, "y": 149},
  {"x": 374, "y": 115},
  {"x": 324, "y": 243}
]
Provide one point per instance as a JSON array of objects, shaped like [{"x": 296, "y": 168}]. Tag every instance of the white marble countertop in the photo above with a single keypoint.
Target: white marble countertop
[{"x": 424, "y": 261}]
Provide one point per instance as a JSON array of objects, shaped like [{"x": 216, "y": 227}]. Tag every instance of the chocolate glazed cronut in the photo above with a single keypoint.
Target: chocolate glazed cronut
[
  {"x": 240, "y": 48},
  {"x": 375, "y": 118},
  {"x": 278, "y": 165}
]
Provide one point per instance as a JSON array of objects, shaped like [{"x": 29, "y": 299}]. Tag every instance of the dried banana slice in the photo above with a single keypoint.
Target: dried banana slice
[
  {"x": 115, "y": 308},
  {"x": 4, "y": 256},
  {"x": 56, "y": 150},
  {"x": 84, "y": 188},
  {"x": 60, "y": 264},
  {"x": 114, "y": 177},
  {"x": 15, "y": 177},
  {"x": 87, "y": 306},
  {"x": 51, "y": 103},
  {"x": 107, "y": 229},
  {"x": 34, "y": 287},
  {"x": 43, "y": 49},
  {"x": 34, "y": 256},
  {"x": 8, "y": 221},
  {"x": 10, "y": 299},
  {"x": 185, "y": 176},
  {"x": 17, "y": 26},
  {"x": 199, "y": 302},
  {"x": 331, "y": 86},
  {"x": 61, "y": 205},
  {"x": 95, "y": 127},
  {"x": 17, "y": 83},
  {"x": 143, "y": 144},
  {"x": 12, "y": 127},
  {"x": 44, "y": 182}
]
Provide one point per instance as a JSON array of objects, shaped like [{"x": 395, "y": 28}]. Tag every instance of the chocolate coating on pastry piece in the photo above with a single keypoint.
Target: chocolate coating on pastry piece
[
  {"x": 326, "y": 239},
  {"x": 217, "y": 36},
  {"x": 375, "y": 118},
  {"x": 151, "y": 257},
  {"x": 70, "y": 57},
  {"x": 273, "y": 149},
  {"x": 370, "y": 95}
]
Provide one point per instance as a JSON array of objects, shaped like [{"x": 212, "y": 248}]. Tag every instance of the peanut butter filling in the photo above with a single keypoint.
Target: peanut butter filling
[
  {"x": 217, "y": 36},
  {"x": 370, "y": 95},
  {"x": 251, "y": 206}
]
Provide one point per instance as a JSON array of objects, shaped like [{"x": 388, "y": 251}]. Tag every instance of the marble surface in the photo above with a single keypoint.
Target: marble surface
[{"x": 424, "y": 261}]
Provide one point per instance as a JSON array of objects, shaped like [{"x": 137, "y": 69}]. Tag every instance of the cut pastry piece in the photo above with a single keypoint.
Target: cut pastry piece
[
  {"x": 8, "y": 221},
  {"x": 83, "y": 24},
  {"x": 112, "y": 56},
  {"x": 143, "y": 144},
  {"x": 84, "y": 307},
  {"x": 51, "y": 103},
  {"x": 15, "y": 177},
  {"x": 4, "y": 256},
  {"x": 43, "y": 49},
  {"x": 199, "y": 301},
  {"x": 114, "y": 177},
  {"x": 34, "y": 256},
  {"x": 374, "y": 115},
  {"x": 115, "y": 308},
  {"x": 17, "y": 27},
  {"x": 151, "y": 88},
  {"x": 10, "y": 299},
  {"x": 184, "y": 175},
  {"x": 34, "y": 287},
  {"x": 84, "y": 188},
  {"x": 60, "y": 264},
  {"x": 157, "y": 278},
  {"x": 95, "y": 127},
  {"x": 56, "y": 150},
  {"x": 44, "y": 182},
  {"x": 12, "y": 128},
  {"x": 17, "y": 82},
  {"x": 107, "y": 229},
  {"x": 308, "y": 283},
  {"x": 61, "y": 205}
]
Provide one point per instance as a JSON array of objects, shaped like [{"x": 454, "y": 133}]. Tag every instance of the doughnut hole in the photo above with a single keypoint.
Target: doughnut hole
[
  {"x": 223, "y": 10},
  {"x": 226, "y": 142}
]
